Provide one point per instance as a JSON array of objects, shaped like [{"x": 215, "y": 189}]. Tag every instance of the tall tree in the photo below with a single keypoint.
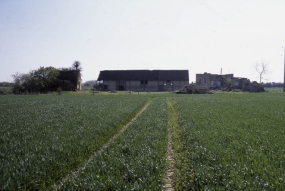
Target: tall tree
[
  {"x": 262, "y": 69},
  {"x": 76, "y": 65}
]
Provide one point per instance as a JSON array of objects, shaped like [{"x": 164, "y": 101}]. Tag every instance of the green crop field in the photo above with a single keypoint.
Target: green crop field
[
  {"x": 44, "y": 137},
  {"x": 275, "y": 90},
  {"x": 135, "y": 161},
  {"x": 225, "y": 141},
  {"x": 231, "y": 142}
]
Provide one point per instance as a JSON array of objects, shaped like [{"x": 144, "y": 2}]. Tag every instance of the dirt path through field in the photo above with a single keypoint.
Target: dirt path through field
[
  {"x": 85, "y": 164},
  {"x": 169, "y": 177}
]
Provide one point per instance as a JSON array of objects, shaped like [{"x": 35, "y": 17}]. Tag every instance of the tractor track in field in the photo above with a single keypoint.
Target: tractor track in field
[
  {"x": 75, "y": 173},
  {"x": 170, "y": 176}
]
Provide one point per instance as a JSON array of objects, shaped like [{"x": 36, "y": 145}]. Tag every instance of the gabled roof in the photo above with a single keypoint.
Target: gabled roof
[{"x": 161, "y": 75}]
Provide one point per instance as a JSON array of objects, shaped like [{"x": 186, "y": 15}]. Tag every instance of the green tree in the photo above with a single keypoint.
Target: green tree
[
  {"x": 39, "y": 80},
  {"x": 17, "y": 87},
  {"x": 45, "y": 78}
]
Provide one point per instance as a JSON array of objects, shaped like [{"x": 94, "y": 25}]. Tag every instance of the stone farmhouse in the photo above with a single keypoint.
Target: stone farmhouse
[
  {"x": 215, "y": 81},
  {"x": 144, "y": 80}
]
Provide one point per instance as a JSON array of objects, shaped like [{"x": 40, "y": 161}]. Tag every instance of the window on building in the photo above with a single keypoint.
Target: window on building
[
  {"x": 144, "y": 82},
  {"x": 200, "y": 81},
  {"x": 167, "y": 81},
  {"x": 205, "y": 80}
]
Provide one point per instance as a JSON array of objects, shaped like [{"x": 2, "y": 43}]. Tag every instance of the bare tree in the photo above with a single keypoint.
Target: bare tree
[{"x": 262, "y": 69}]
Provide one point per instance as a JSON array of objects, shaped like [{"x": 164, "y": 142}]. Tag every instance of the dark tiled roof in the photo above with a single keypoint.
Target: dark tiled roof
[{"x": 162, "y": 75}]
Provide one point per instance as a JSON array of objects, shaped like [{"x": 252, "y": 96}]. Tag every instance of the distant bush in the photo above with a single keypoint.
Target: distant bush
[
  {"x": 3, "y": 91},
  {"x": 90, "y": 83},
  {"x": 6, "y": 84},
  {"x": 59, "y": 90}
]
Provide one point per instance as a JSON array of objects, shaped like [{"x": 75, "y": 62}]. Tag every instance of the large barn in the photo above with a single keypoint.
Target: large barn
[{"x": 144, "y": 80}]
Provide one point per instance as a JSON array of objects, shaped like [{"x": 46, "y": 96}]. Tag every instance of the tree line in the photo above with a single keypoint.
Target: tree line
[
  {"x": 41, "y": 80},
  {"x": 6, "y": 84},
  {"x": 272, "y": 84}
]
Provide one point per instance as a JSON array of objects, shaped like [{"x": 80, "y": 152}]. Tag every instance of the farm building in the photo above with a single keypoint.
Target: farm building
[
  {"x": 69, "y": 79},
  {"x": 144, "y": 80},
  {"x": 215, "y": 81}
]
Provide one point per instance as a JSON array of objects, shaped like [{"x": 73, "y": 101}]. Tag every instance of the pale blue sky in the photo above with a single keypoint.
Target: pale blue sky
[{"x": 198, "y": 35}]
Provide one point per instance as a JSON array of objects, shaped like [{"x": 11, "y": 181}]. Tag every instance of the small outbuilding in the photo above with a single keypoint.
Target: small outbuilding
[{"x": 69, "y": 80}]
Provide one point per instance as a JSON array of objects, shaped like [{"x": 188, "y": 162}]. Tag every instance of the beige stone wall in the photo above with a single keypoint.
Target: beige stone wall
[
  {"x": 137, "y": 86},
  {"x": 208, "y": 80},
  {"x": 134, "y": 86},
  {"x": 150, "y": 86},
  {"x": 203, "y": 80},
  {"x": 79, "y": 85},
  {"x": 173, "y": 85}
]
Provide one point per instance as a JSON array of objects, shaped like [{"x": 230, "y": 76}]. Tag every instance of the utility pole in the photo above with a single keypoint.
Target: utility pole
[{"x": 284, "y": 71}]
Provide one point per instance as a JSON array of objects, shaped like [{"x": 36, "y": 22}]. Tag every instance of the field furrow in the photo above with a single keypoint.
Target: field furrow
[{"x": 172, "y": 128}]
